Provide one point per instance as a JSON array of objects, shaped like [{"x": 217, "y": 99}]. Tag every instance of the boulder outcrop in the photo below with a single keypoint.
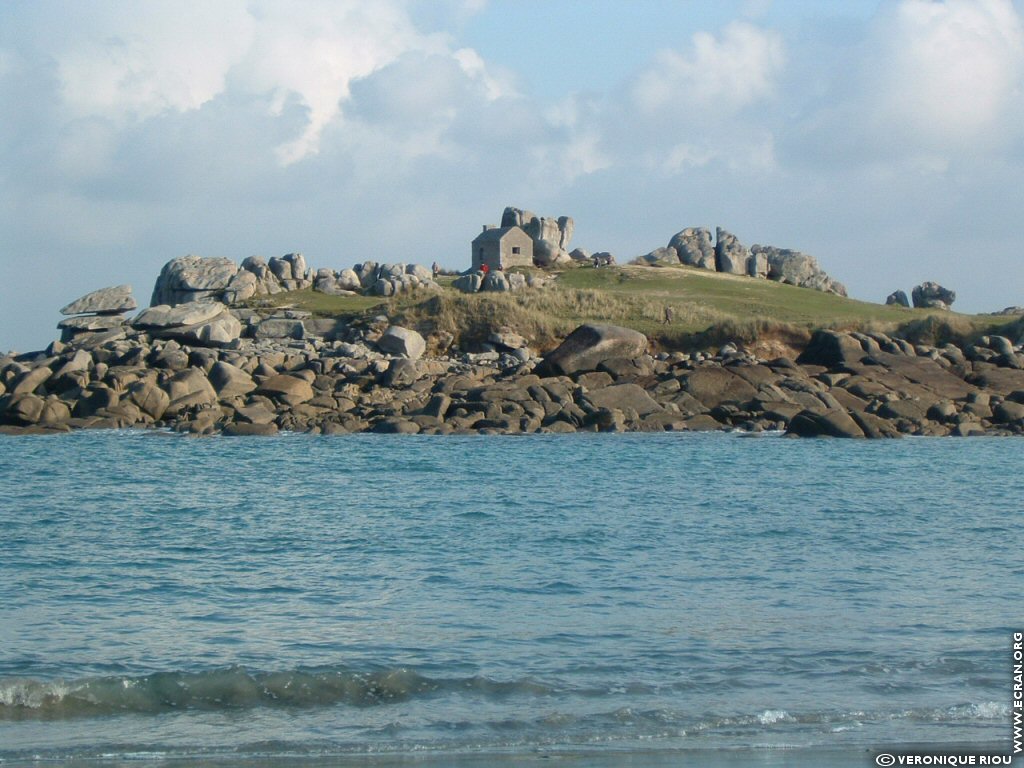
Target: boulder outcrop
[
  {"x": 929, "y": 295},
  {"x": 795, "y": 268},
  {"x": 694, "y": 247},
  {"x": 730, "y": 254},
  {"x": 96, "y": 315},
  {"x": 192, "y": 278},
  {"x": 402, "y": 341},
  {"x": 207, "y": 323},
  {"x": 897, "y": 299},
  {"x": 551, "y": 236},
  {"x": 589, "y": 345}
]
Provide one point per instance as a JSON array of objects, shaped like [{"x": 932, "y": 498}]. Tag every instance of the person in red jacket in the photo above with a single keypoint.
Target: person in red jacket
[{"x": 485, "y": 269}]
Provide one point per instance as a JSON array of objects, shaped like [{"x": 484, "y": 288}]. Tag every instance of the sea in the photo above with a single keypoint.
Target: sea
[{"x": 573, "y": 600}]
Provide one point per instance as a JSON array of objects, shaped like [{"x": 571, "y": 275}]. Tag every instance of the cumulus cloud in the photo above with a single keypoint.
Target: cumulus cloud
[
  {"x": 697, "y": 104},
  {"x": 947, "y": 72},
  {"x": 931, "y": 83},
  {"x": 134, "y": 63},
  {"x": 724, "y": 73}
]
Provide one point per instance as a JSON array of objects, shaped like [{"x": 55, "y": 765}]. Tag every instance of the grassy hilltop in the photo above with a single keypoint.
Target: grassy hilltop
[{"x": 707, "y": 308}]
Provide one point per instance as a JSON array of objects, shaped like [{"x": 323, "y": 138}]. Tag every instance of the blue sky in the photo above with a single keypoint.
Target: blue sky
[{"x": 885, "y": 138}]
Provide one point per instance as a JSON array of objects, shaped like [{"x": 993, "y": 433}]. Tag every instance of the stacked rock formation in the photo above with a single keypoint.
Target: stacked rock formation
[
  {"x": 550, "y": 236},
  {"x": 99, "y": 314},
  {"x": 695, "y": 247},
  {"x": 931, "y": 295},
  {"x": 207, "y": 323}
]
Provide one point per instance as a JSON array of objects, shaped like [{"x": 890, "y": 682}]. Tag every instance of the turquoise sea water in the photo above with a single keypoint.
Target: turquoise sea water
[{"x": 165, "y": 598}]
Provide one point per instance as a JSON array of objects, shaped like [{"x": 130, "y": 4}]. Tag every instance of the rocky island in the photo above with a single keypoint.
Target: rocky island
[{"x": 222, "y": 349}]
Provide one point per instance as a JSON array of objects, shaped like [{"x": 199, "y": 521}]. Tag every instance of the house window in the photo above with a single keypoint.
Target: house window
[
  {"x": 515, "y": 249},
  {"x": 481, "y": 254}
]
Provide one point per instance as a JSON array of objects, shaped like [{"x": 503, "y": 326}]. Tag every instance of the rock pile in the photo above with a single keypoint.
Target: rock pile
[
  {"x": 694, "y": 247},
  {"x": 192, "y": 279},
  {"x": 550, "y": 236},
  {"x": 376, "y": 377},
  {"x": 97, "y": 316},
  {"x": 497, "y": 281}
]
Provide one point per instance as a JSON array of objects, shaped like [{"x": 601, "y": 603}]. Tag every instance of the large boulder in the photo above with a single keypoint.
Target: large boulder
[
  {"x": 113, "y": 300},
  {"x": 189, "y": 388},
  {"x": 730, "y": 254},
  {"x": 796, "y": 268},
  {"x": 897, "y": 299},
  {"x": 667, "y": 255},
  {"x": 205, "y": 323},
  {"x": 166, "y": 316},
  {"x": 31, "y": 380},
  {"x": 291, "y": 390},
  {"x": 193, "y": 278},
  {"x": 694, "y": 247},
  {"x": 149, "y": 398},
  {"x": 832, "y": 423},
  {"x": 624, "y": 397},
  {"x": 588, "y": 346},
  {"x": 230, "y": 381},
  {"x": 469, "y": 283},
  {"x": 402, "y": 341},
  {"x": 929, "y": 295},
  {"x": 242, "y": 287},
  {"x": 714, "y": 385},
  {"x": 831, "y": 348}
]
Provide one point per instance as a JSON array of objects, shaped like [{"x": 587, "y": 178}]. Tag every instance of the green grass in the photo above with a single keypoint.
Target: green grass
[{"x": 707, "y": 309}]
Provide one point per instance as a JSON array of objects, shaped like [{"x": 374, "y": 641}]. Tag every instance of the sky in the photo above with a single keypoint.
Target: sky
[{"x": 884, "y": 137}]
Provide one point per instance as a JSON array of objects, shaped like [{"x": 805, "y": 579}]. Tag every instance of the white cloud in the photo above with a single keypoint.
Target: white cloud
[
  {"x": 136, "y": 63},
  {"x": 724, "y": 74},
  {"x": 944, "y": 74},
  {"x": 139, "y": 61}
]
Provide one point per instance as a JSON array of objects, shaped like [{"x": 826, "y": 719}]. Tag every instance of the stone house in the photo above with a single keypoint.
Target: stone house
[{"x": 502, "y": 247}]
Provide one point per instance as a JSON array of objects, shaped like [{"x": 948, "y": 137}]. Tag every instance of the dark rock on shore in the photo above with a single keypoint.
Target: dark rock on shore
[{"x": 589, "y": 345}]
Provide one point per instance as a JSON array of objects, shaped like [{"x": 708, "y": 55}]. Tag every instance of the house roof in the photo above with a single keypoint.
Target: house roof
[{"x": 496, "y": 234}]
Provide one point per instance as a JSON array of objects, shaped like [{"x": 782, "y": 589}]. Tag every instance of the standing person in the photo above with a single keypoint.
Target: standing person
[
  {"x": 668, "y": 315},
  {"x": 485, "y": 269},
  {"x": 437, "y": 269}
]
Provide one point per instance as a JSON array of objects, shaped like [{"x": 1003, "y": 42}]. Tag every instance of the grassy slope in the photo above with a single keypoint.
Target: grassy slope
[{"x": 707, "y": 308}]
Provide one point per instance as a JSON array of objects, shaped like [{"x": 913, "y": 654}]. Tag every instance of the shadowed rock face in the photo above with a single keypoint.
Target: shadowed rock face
[
  {"x": 897, "y": 299},
  {"x": 590, "y": 345}
]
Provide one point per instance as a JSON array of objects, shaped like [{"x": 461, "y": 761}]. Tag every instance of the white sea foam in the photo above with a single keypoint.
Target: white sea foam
[{"x": 772, "y": 716}]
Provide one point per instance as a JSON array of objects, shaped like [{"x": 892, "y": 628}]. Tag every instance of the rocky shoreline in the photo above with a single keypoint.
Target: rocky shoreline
[{"x": 374, "y": 377}]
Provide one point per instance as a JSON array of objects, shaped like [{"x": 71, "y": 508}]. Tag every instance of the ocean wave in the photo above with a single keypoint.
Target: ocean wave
[
  {"x": 233, "y": 688},
  {"x": 238, "y": 688}
]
